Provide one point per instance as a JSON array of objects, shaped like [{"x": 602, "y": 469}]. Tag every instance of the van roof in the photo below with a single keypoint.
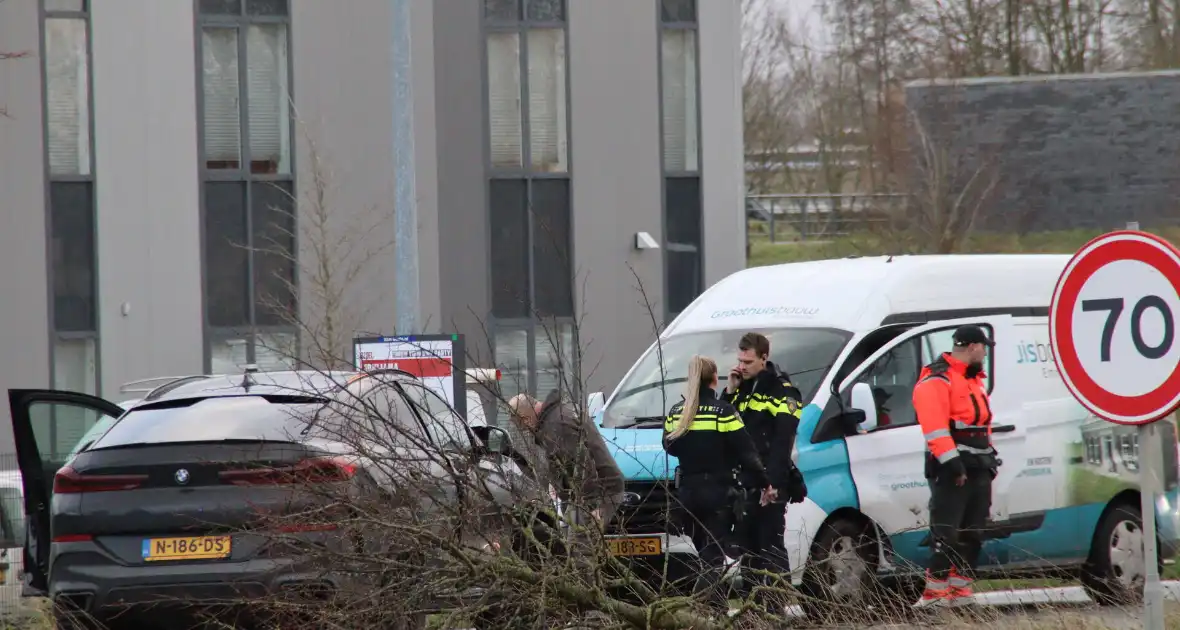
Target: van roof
[{"x": 856, "y": 294}]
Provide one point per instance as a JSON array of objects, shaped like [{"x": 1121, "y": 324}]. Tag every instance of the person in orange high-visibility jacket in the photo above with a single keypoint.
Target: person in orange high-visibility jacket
[{"x": 953, "y": 409}]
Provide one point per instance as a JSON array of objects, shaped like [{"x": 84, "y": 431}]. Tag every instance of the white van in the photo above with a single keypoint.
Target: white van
[{"x": 853, "y": 335}]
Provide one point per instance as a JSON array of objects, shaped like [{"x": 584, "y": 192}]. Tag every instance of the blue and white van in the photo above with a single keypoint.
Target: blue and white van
[{"x": 853, "y": 334}]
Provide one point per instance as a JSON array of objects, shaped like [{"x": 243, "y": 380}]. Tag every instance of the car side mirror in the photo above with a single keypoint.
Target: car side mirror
[
  {"x": 494, "y": 439},
  {"x": 863, "y": 401},
  {"x": 594, "y": 403}
]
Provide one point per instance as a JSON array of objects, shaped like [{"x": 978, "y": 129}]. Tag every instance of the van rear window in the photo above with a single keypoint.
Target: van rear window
[{"x": 211, "y": 420}]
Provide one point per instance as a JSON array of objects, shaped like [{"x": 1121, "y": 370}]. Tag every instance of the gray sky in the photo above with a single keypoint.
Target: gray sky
[{"x": 805, "y": 19}]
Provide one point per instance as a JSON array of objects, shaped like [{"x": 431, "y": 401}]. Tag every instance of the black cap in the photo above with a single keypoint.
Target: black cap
[{"x": 969, "y": 334}]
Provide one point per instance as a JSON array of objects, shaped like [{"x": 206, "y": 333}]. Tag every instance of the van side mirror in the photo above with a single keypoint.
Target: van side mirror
[
  {"x": 594, "y": 403},
  {"x": 863, "y": 401}
]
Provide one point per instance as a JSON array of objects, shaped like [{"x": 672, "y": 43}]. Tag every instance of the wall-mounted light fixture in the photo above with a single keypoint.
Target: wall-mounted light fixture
[{"x": 644, "y": 240}]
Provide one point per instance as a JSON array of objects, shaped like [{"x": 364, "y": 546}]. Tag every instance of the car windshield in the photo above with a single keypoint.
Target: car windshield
[{"x": 804, "y": 353}]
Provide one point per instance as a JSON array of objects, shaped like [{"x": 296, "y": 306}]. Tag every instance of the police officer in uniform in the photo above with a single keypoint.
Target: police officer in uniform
[
  {"x": 769, "y": 405},
  {"x": 708, "y": 438},
  {"x": 953, "y": 409}
]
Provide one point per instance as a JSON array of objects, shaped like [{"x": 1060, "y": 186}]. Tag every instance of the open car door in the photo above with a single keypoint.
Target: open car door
[{"x": 46, "y": 427}]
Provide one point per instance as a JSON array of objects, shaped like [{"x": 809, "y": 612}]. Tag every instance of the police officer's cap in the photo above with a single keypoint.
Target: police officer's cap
[{"x": 969, "y": 334}]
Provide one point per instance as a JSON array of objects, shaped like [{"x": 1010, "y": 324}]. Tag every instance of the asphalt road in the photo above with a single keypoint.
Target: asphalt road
[{"x": 1066, "y": 607}]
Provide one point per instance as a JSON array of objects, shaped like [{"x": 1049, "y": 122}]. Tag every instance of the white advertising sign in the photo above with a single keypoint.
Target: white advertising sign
[{"x": 436, "y": 359}]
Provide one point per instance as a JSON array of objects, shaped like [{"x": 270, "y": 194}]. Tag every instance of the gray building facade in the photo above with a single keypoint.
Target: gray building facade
[
  {"x": 195, "y": 185},
  {"x": 1090, "y": 151}
]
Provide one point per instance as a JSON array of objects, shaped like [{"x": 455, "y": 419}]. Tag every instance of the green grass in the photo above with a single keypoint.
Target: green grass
[{"x": 791, "y": 249}]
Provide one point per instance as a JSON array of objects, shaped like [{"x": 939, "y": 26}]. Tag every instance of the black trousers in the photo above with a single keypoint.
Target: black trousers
[
  {"x": 761, "y": 537},
  {"x": 761, "y": 544},
  {"x": 708, "y": 520},
  {"x": 958, "y": 515}
]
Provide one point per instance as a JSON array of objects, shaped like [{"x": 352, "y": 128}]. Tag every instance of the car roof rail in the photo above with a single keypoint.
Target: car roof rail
[{"x": 163, "y": 384}]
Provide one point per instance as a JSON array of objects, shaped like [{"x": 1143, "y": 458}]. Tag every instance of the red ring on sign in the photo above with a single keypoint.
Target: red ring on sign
[{"x": 1158, "y": 401}]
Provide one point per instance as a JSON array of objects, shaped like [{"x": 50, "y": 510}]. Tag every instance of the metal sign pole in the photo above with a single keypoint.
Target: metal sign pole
[
  {"x": 405, "y": 197},
  {"x": 1150, "y": 487},
  {"x": 1105, "y": 368}
]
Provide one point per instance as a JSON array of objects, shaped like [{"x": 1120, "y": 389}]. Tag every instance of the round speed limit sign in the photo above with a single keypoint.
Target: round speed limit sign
[{"x": 1113, "y": 326}]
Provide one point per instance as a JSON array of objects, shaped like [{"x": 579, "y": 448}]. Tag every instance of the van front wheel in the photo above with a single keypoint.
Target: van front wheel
[
  {"x": 1115, "y": 571},
  {"x": 838, "y": 581}
]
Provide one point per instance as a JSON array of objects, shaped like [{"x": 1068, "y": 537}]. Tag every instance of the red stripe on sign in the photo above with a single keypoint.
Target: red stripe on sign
[
  {"x": 420, "y": 367},
  {"x": 1156, "y": 403}
]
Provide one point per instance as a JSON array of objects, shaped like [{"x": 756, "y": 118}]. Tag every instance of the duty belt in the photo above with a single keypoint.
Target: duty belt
[{"x": 968, "y": 438}]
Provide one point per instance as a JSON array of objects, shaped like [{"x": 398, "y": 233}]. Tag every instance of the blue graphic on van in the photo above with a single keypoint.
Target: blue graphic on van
[
  {"x": 1030, "y": 352},
  {"x": 825, "y": 466},
  {"x": 639, "y": 453},
  {"x": 787, "y": 311}
]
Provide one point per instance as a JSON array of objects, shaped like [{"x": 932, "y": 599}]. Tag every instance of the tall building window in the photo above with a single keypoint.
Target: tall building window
[
  {"x": 72, "y": 248},
  {"x": 248, "y": 184},
  {"x": 680, "y": 123},
  {"x": 529, "y": 194}
]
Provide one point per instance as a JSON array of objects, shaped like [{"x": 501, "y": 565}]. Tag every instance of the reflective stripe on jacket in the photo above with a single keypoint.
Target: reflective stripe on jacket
[
  {"x": 770, "y": 405},
  {"x": 948, "y": 402},
  {"x": 707, "y": 419},
  {"x": 716, "y": 443}
]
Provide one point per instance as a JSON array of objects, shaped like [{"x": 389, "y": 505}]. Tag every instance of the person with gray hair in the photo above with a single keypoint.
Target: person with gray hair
[{"x": 576, "y": 460}]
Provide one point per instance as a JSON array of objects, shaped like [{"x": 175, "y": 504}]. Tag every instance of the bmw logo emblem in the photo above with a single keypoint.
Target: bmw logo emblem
[
  {"x": 181, "y": 476},
  {"x": 631, "y": 499}
]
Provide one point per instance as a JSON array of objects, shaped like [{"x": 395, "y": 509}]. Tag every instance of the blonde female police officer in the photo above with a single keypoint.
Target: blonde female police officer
[{"x": 708, "y": 438}]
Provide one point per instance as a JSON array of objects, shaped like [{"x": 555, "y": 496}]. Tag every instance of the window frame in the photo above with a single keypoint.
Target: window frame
[
  {"x": 521, "y": 28},
  {"x": 535, "y": 329},
  {"x": 696, "y": 249},
  {"x": 250, "y": 331},
  {"x": 56, "y": 335},
  {"x": 533, "y": 323},
  {"x": 918, "y": 339}
]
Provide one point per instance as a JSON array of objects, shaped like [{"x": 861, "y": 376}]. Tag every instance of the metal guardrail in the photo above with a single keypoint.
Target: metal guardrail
[{"x": 821, "y": 215}]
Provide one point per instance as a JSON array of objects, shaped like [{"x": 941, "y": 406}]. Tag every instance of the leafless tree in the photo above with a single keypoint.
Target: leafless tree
[
  {"x": 772, "y": 111},
  {"x": 328, "y": 260},
  {"x": 849, "y": 97},
  {"x": 1148, "y": 32},
  {"x": 430, "y": 533},
  {"x": 948, "y": 187}
]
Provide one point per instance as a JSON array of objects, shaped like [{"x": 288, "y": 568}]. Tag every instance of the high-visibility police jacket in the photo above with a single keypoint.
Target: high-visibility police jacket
[
  {"x": 770, "y": 406},
  {"x": 716, "y": 442},
  {"x": 949, "y": 405}
]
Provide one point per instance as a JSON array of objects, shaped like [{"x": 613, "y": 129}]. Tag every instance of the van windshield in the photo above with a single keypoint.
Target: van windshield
[{"x": 649, "y": 391}]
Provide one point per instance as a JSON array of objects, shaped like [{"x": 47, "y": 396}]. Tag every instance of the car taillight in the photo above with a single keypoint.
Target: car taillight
[
  {"x": 70, "y": 538},
  {"x": 69, "y": 481},
  {"x": 316, "y": 470}
]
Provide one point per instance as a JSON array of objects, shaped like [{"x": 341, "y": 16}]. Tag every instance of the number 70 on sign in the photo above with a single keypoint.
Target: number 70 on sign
[
  {"x": 1113, "y": 327},
  {"x": 1114, "y": 309}
]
